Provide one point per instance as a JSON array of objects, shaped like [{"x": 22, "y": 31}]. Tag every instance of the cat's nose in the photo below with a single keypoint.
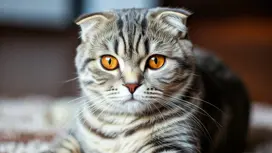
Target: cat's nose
[{"x": 132, "y": 87}]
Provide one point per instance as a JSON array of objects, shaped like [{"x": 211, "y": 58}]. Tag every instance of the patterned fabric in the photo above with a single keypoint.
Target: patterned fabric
[
  {"x": 34, "y": 146},
  {"x": 29, "y": 124}
]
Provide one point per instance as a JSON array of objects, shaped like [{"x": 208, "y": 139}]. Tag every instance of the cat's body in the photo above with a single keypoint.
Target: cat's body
[{"x": 147, "y": 91}]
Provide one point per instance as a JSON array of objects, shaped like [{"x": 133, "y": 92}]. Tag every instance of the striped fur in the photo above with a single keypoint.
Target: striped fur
[{"x": 166, "y": 113}]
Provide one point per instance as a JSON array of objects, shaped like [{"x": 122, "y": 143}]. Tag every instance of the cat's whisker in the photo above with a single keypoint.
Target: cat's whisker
[
  {"x": 96, "y": 107},
  {"x": 199, "y": 108},
  {"x": 79, "y": 111},
  {"x": 158, "y": 111},
  {"x": 196, "y": 120},
  {"x": 66, "y": 124},
  {"x": 207, "y": 114},
  {"x": 201, "y": 126},
  {"x": 76, "y": 99},
  {"x": 198, "y": 123},
  {"x": 104, "y": 109},
  {"x": 195, "y": 98},
  {"x": 70, "y": 80}
]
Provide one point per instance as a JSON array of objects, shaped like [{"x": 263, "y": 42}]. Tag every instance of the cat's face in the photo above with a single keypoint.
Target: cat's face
[{"x": 133, "y": 61}]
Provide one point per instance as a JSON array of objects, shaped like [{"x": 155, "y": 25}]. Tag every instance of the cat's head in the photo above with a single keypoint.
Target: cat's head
[{"x": 134, "y": 60}]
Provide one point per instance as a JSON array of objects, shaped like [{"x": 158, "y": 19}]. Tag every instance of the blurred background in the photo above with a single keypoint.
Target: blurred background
[
  {"x": 38, "y": 40},
  {"x": 37, "y": 47}
]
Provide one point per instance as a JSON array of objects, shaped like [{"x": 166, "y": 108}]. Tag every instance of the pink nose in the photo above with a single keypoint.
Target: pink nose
[{"x": 132, "y": 87}]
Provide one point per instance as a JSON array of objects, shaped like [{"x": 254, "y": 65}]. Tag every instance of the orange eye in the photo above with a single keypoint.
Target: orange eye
[
  {"x": 156, "y": 61},
  {"x": 109, "y": 62}
]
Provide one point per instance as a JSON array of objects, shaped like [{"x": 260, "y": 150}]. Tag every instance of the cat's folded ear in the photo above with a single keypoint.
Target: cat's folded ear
[
  {"x": 90, "y": 22},
  {"x": 173, "y": 19}
]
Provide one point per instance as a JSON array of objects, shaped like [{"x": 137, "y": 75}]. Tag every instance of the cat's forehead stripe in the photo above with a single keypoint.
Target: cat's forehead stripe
[
  {"x": 116, "y": 44},
  {"x": 132, "y": 25}
]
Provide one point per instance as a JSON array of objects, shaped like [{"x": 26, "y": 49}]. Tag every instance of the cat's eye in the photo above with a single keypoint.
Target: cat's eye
[
  {"x": 109, "y": 62},
  {"x": 156, "y": 61}
]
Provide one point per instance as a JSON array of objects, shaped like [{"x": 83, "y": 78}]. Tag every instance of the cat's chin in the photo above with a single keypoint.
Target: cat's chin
[
  {"x": 132, "y": 101},
  {"x": 133, "y": 106}
]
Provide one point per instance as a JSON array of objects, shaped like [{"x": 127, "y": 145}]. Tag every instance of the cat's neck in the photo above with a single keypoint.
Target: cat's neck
[{"x": 108, "y": 118}]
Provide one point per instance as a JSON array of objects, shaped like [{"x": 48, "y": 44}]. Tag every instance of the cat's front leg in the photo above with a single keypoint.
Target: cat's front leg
[{"x": 67, "y": 145}]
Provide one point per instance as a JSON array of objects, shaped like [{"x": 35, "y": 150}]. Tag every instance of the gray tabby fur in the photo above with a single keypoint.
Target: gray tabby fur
[{"x": 192, "y": 104}]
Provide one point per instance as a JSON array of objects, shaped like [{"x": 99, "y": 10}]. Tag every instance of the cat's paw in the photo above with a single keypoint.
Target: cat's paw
[{"x": 67, "y": 145}]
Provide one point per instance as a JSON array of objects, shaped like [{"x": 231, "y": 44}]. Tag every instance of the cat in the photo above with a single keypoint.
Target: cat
[{"x": 148, "y": 90}]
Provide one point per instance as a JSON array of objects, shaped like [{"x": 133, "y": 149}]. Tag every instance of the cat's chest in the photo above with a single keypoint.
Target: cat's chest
[
  {"x": 120, "y": 142},
  {"x": 137, "y": 142},
  {"x": 130, "y": 144}
]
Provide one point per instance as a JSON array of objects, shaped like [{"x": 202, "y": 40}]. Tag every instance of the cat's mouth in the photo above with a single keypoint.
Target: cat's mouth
[{"x": 132, "y": 100}]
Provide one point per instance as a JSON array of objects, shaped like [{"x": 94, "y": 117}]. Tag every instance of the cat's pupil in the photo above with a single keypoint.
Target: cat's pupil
[
  {"x": 109, "y": 61},
  {"x": 155, "y": 60}
]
